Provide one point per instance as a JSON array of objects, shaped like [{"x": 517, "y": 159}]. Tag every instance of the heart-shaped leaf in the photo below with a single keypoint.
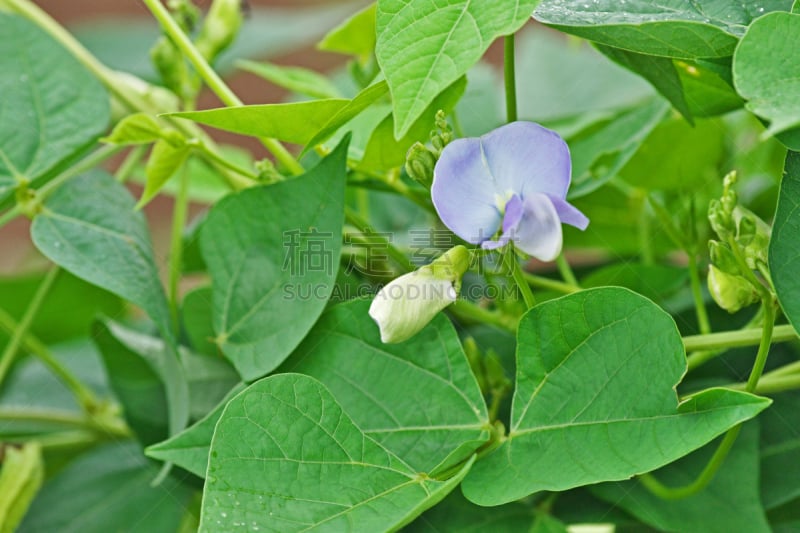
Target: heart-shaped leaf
[
  {"x": 286, "y": 457},
  {"x": 273, "y": 254},
  {"x": 595, "y": 399}
]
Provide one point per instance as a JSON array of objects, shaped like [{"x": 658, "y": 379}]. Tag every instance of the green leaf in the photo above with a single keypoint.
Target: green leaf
[
  {"x": 209, "y": 379},
  {"x": 424, "y": 46},
  {"x": 685, "y": 29},
  {"x": 21, "y": 475},
  {"x": 456, "y": 514},
  {"x": 595, "y": 399},
  {"x": 139, "y": 128},
  {"x": 362, "y": 101},
  {"x": 442, "y": 417},
  {"x": 766, "y": 70},
  {"x": 601, "y": 152},
  {"x": 165, "y": 160},
  {"x": 729, "y": 503},
  {"x": 677, "y": 156},
  {"x": 707, "y": 92},
  {"x": 294, "y": 79},
  {"x": 68, "y": 311},
  {"x": 295, "y": 123},
  {"x": 315, "y": 469},
  {"x": 147, "y": 378},
  {"x": 355, "y": 36},
  {"x": 263, "y": 246},
  {"x": 655, "y": 282},
  {"x": 780, "y": 449},
  {"x": 383, "y": 151},
  {"x": 566, "y": 81},
  {"x": 784, "y": 247},
  {"x": 89, "y": 227},
  {"x": 109, "y": 489},
  {"x": 189, "y": 449},
  {"x": 659, "y": 71},
  {"x": 52, "y": 107},
  {"x": 198, "y": 323}
]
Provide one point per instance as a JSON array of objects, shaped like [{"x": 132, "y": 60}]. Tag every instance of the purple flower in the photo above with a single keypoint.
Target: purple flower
[{"x": 514, "y": 178}]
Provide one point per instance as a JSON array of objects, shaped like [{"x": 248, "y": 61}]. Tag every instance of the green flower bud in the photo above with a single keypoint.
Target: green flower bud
[
  {"x": 406, "y": 305},
  {"x": 720, "y": 219},
  {"x": 220, "y": 27},
  {"x": 722, "y": 257},
  {"x": 172, "y": 68},
  {"x": 731, "y": 292},
  {"x": 420, "y": 163},
  {"x": 752, "y": 235}
]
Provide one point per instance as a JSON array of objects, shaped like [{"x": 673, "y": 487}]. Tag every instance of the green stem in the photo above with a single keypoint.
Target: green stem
[
  {"x": 83, "y": 394},
  {"x": 179, "y": 214},
  {"x": 541, "y": 282},
  {"x": 214, "y": 157},
  {"x": 212, "y": 79},
  {"x": 355, "y": 220},
  {"x": 669, "y": 493},
  {"x": 10, "y": 215},
  {"x": 10, "y": 352},
  {"x": 697, "y": 293},
  {"x": 566, "y": 271},
  {"x": 91, "y": 161},
  {"x": 129, "y": 163},
  {"x": 46, "y": 416},
  {"x": 470, "y": 312},
  {"x": 763, "y": 347},
  {"x": 645, "y": 237},
  {"x": 113, "y": 82},
  {"x": 736, "y": 339},
  {"x": 510, "y": 78},
  {"x": 705, "y": 477},
  {"x": 519, "y": 277},
  {"x": 773, "y": 384}
]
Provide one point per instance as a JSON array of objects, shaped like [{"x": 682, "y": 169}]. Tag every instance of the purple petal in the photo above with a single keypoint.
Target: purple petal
[
  {"x": 463, "y": 192},
  {"x": 539, "y": 232},
  {"x": 569, "y": 214},
  {"x": 525, "y": 157},
  {"x": 514, "y": 212}
]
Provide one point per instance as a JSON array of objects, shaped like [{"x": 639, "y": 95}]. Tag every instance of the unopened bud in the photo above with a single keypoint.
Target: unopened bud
[
  {"x": 419, "y": 164},
  {"x": 220, "y": 27},
  {"x": 752, "y": 235},
  {"x": 731, "y": 292},
  {"x": 722, "y": 257},
  {"x": 406, "y": 305},
  {"x": 720, "y": 219}
]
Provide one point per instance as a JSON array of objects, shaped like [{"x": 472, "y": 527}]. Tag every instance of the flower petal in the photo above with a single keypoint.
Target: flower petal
[
  {"x": 569, "y": 214},
  {"x": 406, "y": 305},
  {"x": 539, "y": 232},
  {"x": 463, "y": 192},
  {"x": 524, "y": 158}
]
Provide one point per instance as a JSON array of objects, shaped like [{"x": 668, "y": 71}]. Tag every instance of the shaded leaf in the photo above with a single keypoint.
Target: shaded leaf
[
  {"x": 729, "y": 503},
  {"x": 354, "y": 36},
  {"x": 109, "y": 489},
  {"x": 294, "y": 79}
]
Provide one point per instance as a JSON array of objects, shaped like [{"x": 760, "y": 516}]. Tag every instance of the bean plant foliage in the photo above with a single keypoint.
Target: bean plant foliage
[{"x": 512, "y": 265}]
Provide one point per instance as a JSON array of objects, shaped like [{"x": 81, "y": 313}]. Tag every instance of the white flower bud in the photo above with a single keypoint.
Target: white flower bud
[{"x": 406, "y": 305}]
